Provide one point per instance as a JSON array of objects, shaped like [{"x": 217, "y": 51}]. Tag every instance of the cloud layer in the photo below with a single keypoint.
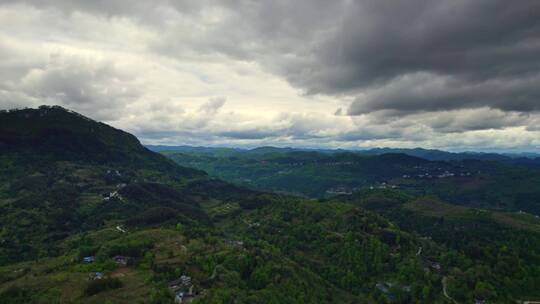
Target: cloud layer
[{"x": 451, "y": 74}]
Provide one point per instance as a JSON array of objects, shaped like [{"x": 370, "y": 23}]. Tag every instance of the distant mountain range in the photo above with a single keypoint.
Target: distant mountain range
[
  {"x": 528, "y": 159},
  {"x": 433, "y": 154},
  {"x": 507, "y": 183}
]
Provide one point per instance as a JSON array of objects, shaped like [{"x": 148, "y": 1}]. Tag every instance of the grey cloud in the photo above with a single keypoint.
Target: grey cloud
[
  {"x": 213, "y": 105},
  {"x": 102, "y": 7},
  {"x": 17, "y": 100},
  {"x": 167, "y": 118},
  {"x": 483, "y": 53},
  {"x": 381, "y": 126},
  {"x": 248, "y": 134},
  {"x": 287, "y": 126},
  {"x": 534, "y": 124},
  {"x": 480, "y": 119},
  {"x": 454, "y": 121},
  {"x": 475, "y": 40},
  {"x": 88, "y": 86},
  {"x": 428, "y": 92},
  {"x": 473, "y": 53}
]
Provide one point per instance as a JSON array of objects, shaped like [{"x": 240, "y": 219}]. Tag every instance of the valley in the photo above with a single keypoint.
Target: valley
[{"x": 95, "y": 217}]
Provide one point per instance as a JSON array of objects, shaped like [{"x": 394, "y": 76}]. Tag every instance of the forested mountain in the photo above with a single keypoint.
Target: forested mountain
[
  {"x": 428, "y": 154},
  {"x": 61, "y": 172},
  {"x": 88, "y": 215},
  {"x": 62, "y": 135},
  {"x": 477, "y": 183}
]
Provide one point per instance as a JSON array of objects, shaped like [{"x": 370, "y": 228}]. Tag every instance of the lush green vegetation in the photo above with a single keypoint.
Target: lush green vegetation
[
  {"x": 498, "y": 252},
  {"x": 78, "y": 226},
  {"x": 479, "y": 183}
]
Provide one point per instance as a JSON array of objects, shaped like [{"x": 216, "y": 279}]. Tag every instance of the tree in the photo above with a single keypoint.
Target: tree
[{"x": 485, "y": 291}]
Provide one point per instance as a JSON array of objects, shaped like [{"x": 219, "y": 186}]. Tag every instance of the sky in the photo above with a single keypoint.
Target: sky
[{"x": 449, "y": 74}]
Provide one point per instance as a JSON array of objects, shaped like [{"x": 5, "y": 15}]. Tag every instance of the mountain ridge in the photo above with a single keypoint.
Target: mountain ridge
[
  {"x": 63, "y": 135},
  {"x": 429, "y": 154}
]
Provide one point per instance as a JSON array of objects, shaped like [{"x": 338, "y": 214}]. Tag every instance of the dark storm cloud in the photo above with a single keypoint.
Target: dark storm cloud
[
  {"x": 433, "y": 55},
  {"x": 427, "y": 92},
  {"x": 473, "y": 40},
  {"x": 416, "y": 55}
]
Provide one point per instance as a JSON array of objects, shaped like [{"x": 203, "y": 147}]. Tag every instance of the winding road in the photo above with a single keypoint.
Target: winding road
[{"x": 445, "y": 292}]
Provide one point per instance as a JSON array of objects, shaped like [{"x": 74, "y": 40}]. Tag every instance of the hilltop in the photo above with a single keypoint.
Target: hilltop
[{"x": 63, "y": 135}]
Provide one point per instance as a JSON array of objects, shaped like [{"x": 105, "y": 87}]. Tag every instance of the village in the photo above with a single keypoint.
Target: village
[{"x": 182, "y": 288}]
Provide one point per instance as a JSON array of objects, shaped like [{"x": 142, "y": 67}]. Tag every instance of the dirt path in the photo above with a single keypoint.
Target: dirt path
[{"x": 445, "y": 292}]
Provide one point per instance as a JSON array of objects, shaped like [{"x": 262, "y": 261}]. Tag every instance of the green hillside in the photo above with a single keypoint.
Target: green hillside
[
  {"x": 79, "y": 227},
  {"x": 502, "y": 248},
  {"x": 485, "y": 184}
]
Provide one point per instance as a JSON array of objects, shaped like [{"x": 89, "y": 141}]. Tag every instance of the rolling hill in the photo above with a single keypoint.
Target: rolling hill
[
  {"x": 476, "y": 183},
  {"x": 88, "y": 215}
]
